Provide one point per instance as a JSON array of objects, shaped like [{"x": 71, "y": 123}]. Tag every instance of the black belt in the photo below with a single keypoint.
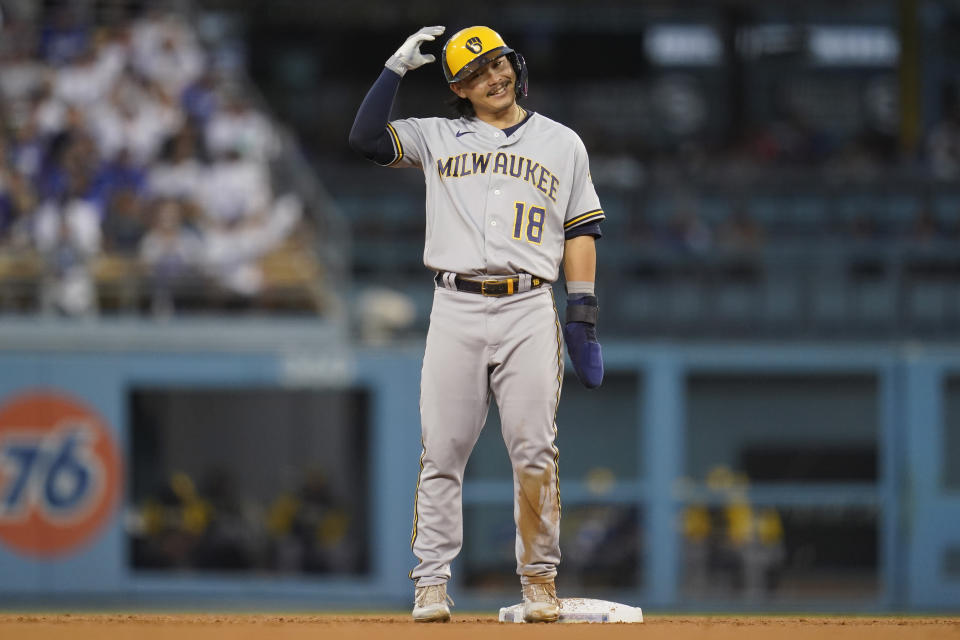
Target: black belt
[{"x": 502, "y": 287}]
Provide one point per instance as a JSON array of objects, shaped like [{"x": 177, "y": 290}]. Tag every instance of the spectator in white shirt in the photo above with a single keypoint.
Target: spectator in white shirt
[
  {"x": 232, "y": 250},
  {"x": 136, "y": 118},
  {"x": 88, "y": 79},
  {"x": 47, "y": 111},
  {"x": 166, "y": 51},
  {"x": 238, "y": 126},
  {"x": 235, "y": 188},
  {"x": 21, "y": 74},
  {"x": 179, "y": 172},
  {"x": 67, "y": 236},
  {"x": 171, "y": 253},
  {"x": 27, "y": 148}
]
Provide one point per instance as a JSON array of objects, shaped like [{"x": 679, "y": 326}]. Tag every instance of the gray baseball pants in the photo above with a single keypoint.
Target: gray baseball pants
[{"x": 511, "y": 347}]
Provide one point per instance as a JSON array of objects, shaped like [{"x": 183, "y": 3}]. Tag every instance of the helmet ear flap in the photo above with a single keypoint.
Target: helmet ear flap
[{"x": 520, "y": 67}]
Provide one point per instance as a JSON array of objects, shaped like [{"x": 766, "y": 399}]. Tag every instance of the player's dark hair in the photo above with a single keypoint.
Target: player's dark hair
[{"x": 462, "y": 106}]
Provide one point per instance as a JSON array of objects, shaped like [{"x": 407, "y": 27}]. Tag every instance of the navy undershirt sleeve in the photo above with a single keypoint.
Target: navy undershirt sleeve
[
  {"x": 369, "y": 135},
  {"x": 592, "y": 229}
]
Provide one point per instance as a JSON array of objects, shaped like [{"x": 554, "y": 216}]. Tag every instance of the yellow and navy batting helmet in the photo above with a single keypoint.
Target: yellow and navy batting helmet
[{"x": 469, "y": 49}]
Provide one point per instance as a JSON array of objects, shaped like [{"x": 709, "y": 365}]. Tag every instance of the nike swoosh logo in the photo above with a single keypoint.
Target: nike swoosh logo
[{"x": 463, "y": 133}]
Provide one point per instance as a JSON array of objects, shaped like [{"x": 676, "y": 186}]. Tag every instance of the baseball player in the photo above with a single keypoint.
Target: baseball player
[{"x": 508, "y": 198}]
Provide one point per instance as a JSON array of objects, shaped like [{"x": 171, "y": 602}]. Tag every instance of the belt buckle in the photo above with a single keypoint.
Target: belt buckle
[{"x": 483, "y": 288}]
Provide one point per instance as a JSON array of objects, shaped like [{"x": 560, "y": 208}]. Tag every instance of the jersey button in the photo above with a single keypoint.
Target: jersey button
[
  {"x": 493, "y": 223},
  {"x": 496, "y": 192}
]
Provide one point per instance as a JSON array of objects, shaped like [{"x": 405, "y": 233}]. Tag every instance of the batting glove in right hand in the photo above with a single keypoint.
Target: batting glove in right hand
[
  {"x": 408, "y": 56},
  {"x": 580, "y": 334}
]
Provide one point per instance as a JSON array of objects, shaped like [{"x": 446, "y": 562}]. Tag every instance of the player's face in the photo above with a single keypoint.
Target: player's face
[{"x": 491, "y": 87}]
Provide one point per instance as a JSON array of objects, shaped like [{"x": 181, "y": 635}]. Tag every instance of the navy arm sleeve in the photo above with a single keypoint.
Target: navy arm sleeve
[
  {"x": 592, "y": 229},
  {"x": 369, "y": 135}
]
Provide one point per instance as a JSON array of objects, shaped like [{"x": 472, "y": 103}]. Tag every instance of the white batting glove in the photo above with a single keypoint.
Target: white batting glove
[{"x": 408, "y": 56}]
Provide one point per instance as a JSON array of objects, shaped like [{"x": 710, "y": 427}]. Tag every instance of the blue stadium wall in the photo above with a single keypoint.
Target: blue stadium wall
[{"x": 643, "y": 444}]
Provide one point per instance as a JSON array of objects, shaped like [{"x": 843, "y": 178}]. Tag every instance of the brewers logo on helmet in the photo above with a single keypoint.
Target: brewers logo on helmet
[{"x": 469, "y": 49}]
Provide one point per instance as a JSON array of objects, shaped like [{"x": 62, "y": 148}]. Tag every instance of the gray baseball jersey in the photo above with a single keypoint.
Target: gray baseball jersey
[{"x": 496, "y": 206}]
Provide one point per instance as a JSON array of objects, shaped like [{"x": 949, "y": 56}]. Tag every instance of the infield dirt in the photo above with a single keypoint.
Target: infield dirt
[{"x": 479, "y": 627}]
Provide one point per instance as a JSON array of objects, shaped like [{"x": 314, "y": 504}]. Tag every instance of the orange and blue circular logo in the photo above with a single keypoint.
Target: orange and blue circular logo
[{"x": 60, "y": 474}]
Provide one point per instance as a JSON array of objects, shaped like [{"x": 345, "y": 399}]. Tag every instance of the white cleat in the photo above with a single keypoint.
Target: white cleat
[
  {"x": 432, "y": 604},
  {"x": 540, "y": 603}
]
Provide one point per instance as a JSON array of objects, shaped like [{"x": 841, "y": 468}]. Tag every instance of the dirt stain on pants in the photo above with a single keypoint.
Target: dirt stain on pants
[{"x": 538, "y": 522}]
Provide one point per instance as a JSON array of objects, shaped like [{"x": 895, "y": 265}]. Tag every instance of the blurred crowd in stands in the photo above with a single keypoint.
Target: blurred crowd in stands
[
  {"x": 135, "y": 174},
  {"x": 138, "y": 174},
  {"x": 786, "y": 182}
]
